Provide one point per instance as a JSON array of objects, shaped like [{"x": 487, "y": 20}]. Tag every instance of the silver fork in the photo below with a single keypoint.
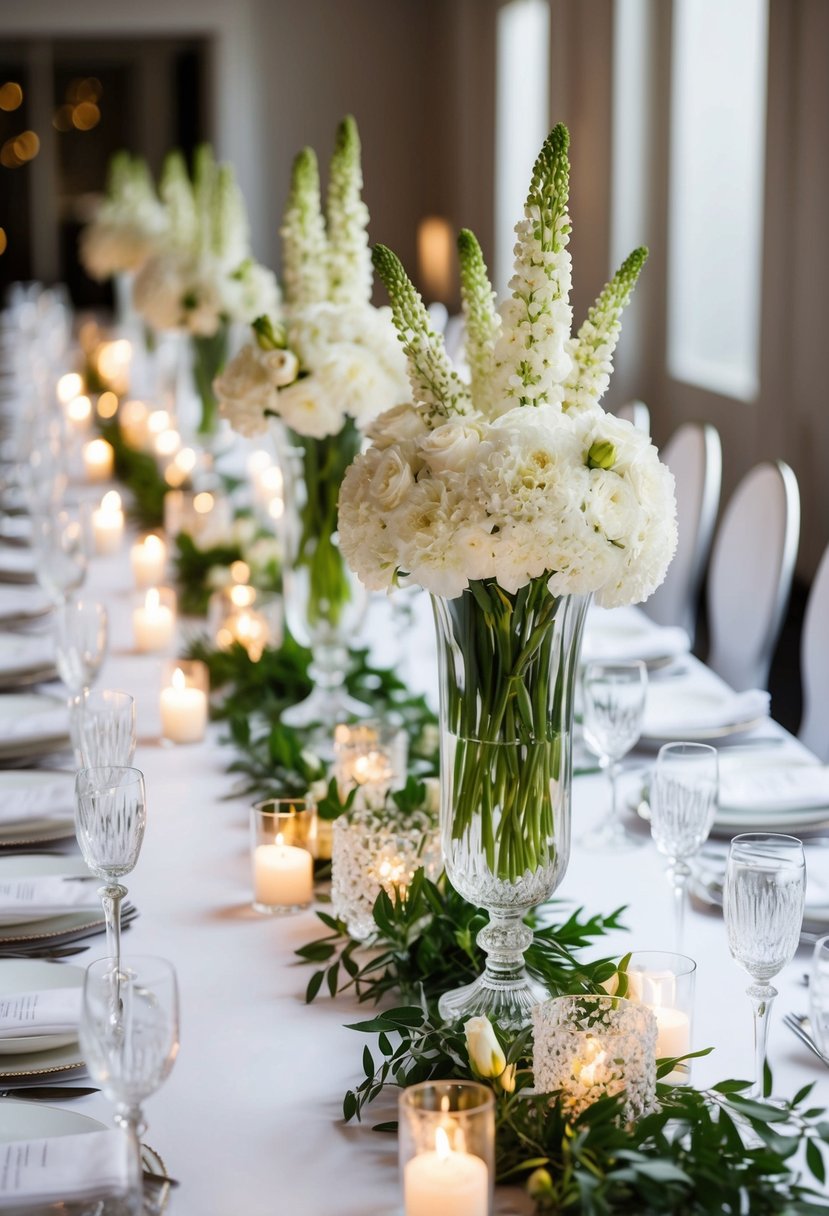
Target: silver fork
[{"x": 797, "y": 1023}]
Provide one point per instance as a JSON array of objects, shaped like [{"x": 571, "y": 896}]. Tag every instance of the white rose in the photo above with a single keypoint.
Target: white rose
[
  {"x": 450, "y": 447},
  {"x": 486, "y": 1055},
  {"x": 392, "y": 480},
  {"x": 244, "y": 392},
  {"x": 612, "y": 507},
  {"x": 400, "y": 423},
  {"x": 309, "y": 409}
]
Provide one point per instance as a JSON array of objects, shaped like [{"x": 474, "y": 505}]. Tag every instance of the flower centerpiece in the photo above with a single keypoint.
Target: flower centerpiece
[
  {"x": 512, "y": 499},
  {"x": 203, "y": 277},
  {"x": 326, "y": 371},
  {"x": 126, "y": 229}
]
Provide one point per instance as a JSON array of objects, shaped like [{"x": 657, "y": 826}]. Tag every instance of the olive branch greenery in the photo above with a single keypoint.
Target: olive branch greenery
[{"x": 138, "y": 472}]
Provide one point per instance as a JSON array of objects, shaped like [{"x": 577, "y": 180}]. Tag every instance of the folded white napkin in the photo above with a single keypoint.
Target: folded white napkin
[
  {"x": 16, "y": 561},
  {"x": 793, "y": 787},
  {"x": 55, "y": 1011},
  {"x": 21, "y": 601},
  {"x": 668, "y": 712},
  {"x": 63, "y": 1167},
  {"x": 24, "y": 899},
  {"x": 605, "y": 645},
  {"x": 53, "y": 800},
  {"x": 19, "y": 653},
  {"x": 50, "y": 724}
]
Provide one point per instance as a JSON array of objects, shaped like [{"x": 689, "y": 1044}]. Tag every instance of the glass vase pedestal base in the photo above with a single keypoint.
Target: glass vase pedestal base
[
  {"x": 505, "y": 993},
  {"x": 329, "y": 703}
]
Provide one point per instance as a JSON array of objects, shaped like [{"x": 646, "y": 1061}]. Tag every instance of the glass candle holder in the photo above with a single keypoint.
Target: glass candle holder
[
  {"x": 108, "y": 524},
  {"x": 154, "y": 620},
  {"x": 376, "y": 849},
  {"x": 282, "y": 835},
  {"x": 204, "y": 516},
  {"x": 371, "y": 754},
  {"x": 447, "y": 1148},
  {"x": 132, "y": 419},
  {"x": 185, "y": 685},
  {"x": 587, "y": 1047},
  {"x": 664, "y": 982},
  {"x": 98, "y": 460},
  {"x": 148, "y": 558},
  {"x": 242, "y": 614}
]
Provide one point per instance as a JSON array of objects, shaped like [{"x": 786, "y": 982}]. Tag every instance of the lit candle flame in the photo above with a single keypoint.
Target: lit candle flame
[
  {"x": 178, "y": 681},
  {"x": 111, "y": 502},
  {"x": 152, "y": 600},
  {"x": 442, "y": 1146},
  {"x": 69, "y": 386}
]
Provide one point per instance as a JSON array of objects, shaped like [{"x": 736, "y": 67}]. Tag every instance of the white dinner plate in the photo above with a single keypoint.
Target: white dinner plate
[
  {"x": 43, "y": 826},
  {"x": 34, "y": 975},
  {"x": 16, "y": 565},
  {"x": 24, "y": 744},
  {"x": 19, "y": 604},
  {"x": 26, "y": 659},
  {"x": 34, "y": 1121},
  {"x": 54, "y": 929},
  {"x": 699, "y": 702},
  {"x": 621, "y": 635}
]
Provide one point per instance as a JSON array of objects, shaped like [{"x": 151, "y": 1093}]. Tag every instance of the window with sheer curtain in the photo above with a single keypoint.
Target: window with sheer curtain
[
  {"x": 522, "y": 116},
  {"x": 718, "y": 130}
]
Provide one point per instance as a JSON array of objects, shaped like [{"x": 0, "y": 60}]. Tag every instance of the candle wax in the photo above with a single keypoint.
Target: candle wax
[
  {"x": 153, "y": 624},
  {"x": 283, "y": 876},
  {"x": 183, "y": 714},
  {"x": 148, "y": 559},
  {"x": 453, "y": 1184}
]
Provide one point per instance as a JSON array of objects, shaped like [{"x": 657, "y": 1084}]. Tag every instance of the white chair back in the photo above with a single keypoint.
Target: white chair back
[
  {"x": 637, "y": 413},
  {"x": 814, "y": 665},
  {"x": 694, "y": 456},
  {"x": 750, "y": 576}
]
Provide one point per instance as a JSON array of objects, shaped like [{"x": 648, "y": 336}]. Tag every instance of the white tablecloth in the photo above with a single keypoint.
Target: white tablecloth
[{"x": 249, "y": 1121}]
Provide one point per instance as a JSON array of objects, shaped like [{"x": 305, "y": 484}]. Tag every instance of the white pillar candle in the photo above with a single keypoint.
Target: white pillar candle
[
  {"x": 98, "y": 460},
  {"x": 445, "y": 1181},
  {"x": 673, "y": 1032},
  {"x": 108, "y": 524},
  {"x": 283, "y": 876},
  {"x": 153, "y": 623},
  {"x": 183, "y": 711},
  {"x": 148, "y": 558},
  {"x": 79, "y": 414}
]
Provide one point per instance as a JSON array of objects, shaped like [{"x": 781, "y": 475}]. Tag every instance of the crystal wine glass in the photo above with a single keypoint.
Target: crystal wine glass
[
  {"x": 614, "y": 705},
  {"x": 683, "y": 802},
  {"x": 819, "y": 994},
  {"x": 110, "y": 816},
  {"x": 81, "y": 643},
  {"x": 60, "y": 554},
  {"x": 129, "y": 1035},
  {"x": 103, "y": 728},
  {"x": 765, "y": 887}
]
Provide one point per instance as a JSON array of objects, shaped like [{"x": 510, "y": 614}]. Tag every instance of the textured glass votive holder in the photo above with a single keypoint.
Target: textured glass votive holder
[
  {"x": 664, "y": 983},
  {"x": 240, "y": 613},
  {"x": 371, "y": 754},
  {"x": 184, "y": 700},
  {"x": 374, "y": 850},
  {"x": 586, "y": 1047},
  {"x": 446, "y": 1142},
  {"x": 282, "y": 838}
]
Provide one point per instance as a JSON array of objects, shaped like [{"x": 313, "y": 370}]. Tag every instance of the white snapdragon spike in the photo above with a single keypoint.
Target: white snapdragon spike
[
  {"x": 177, "y": 195},
  {"x": 227, "y": 221},
  {"x": 481, "y": 320},
  {"x": 304, "y": 243},
  {"x": 349, "y": 258},
  {"x": 129, "y": 223}
]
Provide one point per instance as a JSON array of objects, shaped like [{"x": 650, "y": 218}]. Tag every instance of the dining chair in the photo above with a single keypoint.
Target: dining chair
[
  {"x": 750, "y": 576},
  {"x": 694, "y": 456},
  {"x": 637, "y": 413},
  {"x": 814, "y": 665}
]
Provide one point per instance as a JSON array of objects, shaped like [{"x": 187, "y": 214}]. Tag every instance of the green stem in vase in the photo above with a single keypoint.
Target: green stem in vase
[
  {"x": 209, "y": 357},
  {"x": 324, "y": 462}
]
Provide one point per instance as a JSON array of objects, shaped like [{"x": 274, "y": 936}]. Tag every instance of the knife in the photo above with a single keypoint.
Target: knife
[{"x": 49, "y": 1093}]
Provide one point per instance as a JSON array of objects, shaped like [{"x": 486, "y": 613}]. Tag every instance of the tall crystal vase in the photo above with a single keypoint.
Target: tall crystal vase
[
  {"x": 508, "y": 666},
  {"x": 324, "y": 602},
  {"x": 208, "y": 355}
]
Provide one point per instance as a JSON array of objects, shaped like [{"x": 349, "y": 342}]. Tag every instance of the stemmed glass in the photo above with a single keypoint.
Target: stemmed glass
[
  {"x": 683, "y": 802},
  {"x": 614, "y": 705},
  {"x": 81, "y": 643},
  {"x": 819, "y": 994},
  {"x": 60, "y": 554},
  {"x": 110, "y": 816},
  {"x": 103, "y": 728},
  {"x": 129, "y": 1035},
  {"x": 765, "y": 889}
]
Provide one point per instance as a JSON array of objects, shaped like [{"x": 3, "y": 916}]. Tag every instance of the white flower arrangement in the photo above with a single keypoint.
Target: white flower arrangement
[
  {"x": 334, "y": 357},
  {"x": 129, "y": 223},
  {"x": 203, "y": 276},
  {"x": 520, "y": 474}
]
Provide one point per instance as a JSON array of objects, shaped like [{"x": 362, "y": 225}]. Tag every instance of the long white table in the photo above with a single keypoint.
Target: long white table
[{"x": 249, "y": 1120}]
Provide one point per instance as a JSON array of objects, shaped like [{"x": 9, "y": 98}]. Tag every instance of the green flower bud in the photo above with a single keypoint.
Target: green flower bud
[
  {"x": 602, "y": 455},
  {"x": 268, "y": 335},
  {"x": 539, "y": 1184}
]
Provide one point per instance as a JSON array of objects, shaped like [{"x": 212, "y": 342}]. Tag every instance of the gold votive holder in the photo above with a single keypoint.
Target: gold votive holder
[
  {"x": 282, "y": 839},
  {"x": 664, "y": 982},
  {"x": 589, "y": 1047},
  {"x": 184, "y": 700},
  {"x": 446, "y": 1138}
]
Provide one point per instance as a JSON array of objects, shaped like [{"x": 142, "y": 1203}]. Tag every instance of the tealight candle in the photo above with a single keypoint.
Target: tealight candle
[
  {"x": 113, "y": 361},
  {"x": 108, "y": 524},
  {"x": 183, "y": 703},
  {"x": 132, "y": 419},
  {"x": 446, "y": 1143},
  {"x": 241, "y": 615},
  {"x": 282, "y": 833},
  {"x": 369, "y": 754},
  {"x": 148, "y": 558},
  {"x": 154, "y": 621},
  {"x": 98, "y": 460},
  {"x": 68, "y": 387},
  {"x": 79, "y": 414}
]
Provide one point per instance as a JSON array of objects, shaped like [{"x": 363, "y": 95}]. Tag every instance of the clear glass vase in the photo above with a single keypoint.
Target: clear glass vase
[
  {"x": 508, "y": 666},
  {"x": 325, "y": 603}
]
